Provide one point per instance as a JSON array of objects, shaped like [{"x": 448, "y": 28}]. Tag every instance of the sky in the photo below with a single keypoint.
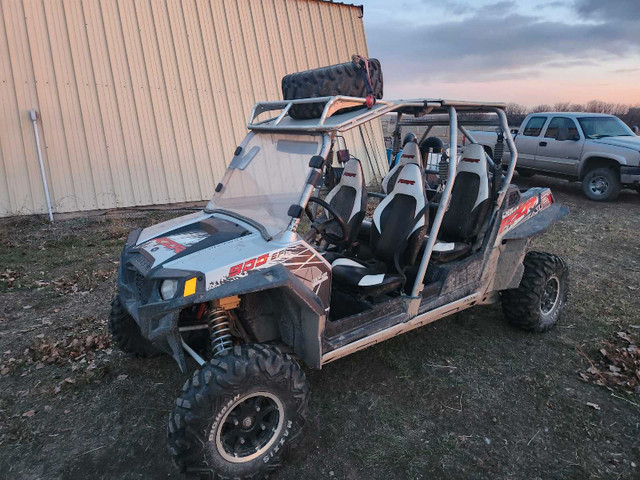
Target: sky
[{"x": 526, "y": 51}]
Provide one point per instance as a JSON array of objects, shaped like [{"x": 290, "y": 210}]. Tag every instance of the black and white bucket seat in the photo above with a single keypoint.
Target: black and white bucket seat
[
  {"x": 349, "y": 199},
  {"x": 468, "y": 208},
  {"x": 398, "y": 227}
]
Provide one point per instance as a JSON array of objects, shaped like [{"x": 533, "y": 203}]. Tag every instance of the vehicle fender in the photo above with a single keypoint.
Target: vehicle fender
[
  {"x": 538, "y": 223},
  {"x": 509, "y": 267},
  {"x": 303, "y": 312},
  {"x": 620, "y": 159}
]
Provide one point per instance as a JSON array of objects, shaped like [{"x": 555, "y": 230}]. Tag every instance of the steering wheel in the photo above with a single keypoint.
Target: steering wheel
[{"x": 322, "y": 227}]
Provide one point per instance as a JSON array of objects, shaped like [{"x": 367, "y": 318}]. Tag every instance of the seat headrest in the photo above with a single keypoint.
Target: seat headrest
[
  {"x": 473, "y": 159},
  {"x": 409, "y": 182},
  {"x": 410, "y": 154},
  {"x": 352, "y": 177}
]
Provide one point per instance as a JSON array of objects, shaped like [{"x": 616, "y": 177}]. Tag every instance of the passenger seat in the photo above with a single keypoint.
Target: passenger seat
[{"x": 468, "y": 207}]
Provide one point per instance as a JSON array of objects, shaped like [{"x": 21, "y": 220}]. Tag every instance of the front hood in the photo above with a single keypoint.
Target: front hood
[
  {"x": 627, "y": 142},
  {"x": 185, "y": 235}
]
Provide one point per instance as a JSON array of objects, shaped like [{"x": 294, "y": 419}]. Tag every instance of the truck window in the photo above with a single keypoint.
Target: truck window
[
  {"x": 534, "y": 126},
  {"x": 559, "y": 122},
  {"x": 599, "y": 127}
]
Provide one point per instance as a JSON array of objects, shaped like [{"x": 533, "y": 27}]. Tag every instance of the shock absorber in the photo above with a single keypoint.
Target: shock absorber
[
  {"x": 443, "y": 167},
  {"x": 219, "y": 330},
  {"x": 498, "y": 149}
]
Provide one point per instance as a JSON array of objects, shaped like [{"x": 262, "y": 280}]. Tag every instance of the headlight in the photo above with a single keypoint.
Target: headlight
[{"x": 168, "y": 288}]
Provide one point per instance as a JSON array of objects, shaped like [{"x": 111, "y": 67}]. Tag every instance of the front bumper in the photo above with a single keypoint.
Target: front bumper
[
  {"x": 630, "y": 175},
  {"x": 158, "y": 319}
]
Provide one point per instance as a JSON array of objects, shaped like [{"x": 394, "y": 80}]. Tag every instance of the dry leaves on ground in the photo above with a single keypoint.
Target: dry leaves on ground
[{"x": 618, "y": 365}]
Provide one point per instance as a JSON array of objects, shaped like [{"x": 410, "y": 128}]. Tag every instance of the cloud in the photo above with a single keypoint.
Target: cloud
[
  {"x": 481, "y": 48},
  {"x": 604, "y": 11}
]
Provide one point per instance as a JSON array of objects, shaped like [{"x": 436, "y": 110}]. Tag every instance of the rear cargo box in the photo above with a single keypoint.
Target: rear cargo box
[{"x": 342, "y": 79}]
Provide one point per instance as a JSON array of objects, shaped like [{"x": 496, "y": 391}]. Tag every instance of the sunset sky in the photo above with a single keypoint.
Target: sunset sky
[{"x": 524, "y": 51}]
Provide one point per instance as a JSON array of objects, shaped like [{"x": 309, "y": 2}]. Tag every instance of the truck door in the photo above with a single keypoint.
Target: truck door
[
  {"x": 560, "y": 156},
  {"x": 528, "y": 139}
]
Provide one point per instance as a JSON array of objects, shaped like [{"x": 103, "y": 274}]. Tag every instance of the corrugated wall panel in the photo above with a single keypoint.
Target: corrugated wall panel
[
  {"x": 111, "y": 121},
  {"x": 18, "y": 136},
  {"x": 143, "y": 102},
  {"x": 122, "y": 88}
]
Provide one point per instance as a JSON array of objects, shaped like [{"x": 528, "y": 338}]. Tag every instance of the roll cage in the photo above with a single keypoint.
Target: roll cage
[{"x": 425, "y": 112}]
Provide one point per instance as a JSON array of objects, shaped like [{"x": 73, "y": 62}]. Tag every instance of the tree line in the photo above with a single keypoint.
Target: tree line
[{"x": 630, "y": 114}]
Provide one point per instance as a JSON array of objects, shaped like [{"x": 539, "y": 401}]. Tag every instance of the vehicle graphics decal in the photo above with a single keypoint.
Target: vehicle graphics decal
[
  {"x": 300, "y": 259},
  {"x": 176, "y": 243},
  {"x": 169, "y": 244},
  {"x": 517, "y": 214}
]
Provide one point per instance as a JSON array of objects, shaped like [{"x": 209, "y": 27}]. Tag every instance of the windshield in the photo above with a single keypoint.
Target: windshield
[
  {"x": 599, "y": 127},
  {"x": 267, "y": 177}
]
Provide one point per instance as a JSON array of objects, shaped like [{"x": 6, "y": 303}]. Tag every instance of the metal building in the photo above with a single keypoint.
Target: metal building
[{"x": 143, "y": 101}]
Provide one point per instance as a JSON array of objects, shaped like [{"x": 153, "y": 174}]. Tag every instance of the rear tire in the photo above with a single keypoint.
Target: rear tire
[
  {"x": 601, "y": 184},
  {"x": 239, "y": 414},
  {"x": 126, "y": 334},
  {"x": 538, "y": 302}
]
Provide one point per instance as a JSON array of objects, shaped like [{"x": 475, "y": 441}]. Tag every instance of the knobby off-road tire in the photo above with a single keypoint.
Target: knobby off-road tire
[
  {"x": 126, "y": 334},
  {"x": 602, "y": 184},
  {"x": 217, "y": 432},
  {"x": 538, "y": 302}
]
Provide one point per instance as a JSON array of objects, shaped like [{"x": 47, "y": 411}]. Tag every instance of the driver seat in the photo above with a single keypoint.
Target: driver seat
[
  {"x": 398, "y": 227},
  {"x": 349, "y": 199}
]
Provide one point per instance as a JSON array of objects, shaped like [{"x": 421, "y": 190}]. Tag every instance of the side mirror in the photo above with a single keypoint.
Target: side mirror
[
  {"x": 514, "y": 131},
  {"x": 563, "y": 134}
]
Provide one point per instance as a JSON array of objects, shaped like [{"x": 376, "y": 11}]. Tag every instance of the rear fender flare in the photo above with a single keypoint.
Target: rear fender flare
[{"x": 538, "y": 223}]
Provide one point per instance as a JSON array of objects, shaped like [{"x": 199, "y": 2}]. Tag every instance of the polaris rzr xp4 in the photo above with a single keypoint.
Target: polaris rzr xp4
[{"x": 237, "y": 288}]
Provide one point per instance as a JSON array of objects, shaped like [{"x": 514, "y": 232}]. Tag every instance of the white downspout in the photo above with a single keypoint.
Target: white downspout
[{"x": 34, "y": 119}]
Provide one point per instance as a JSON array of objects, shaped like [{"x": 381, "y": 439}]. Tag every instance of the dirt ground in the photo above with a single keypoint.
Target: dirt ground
[{"x": 467, "y": 397}]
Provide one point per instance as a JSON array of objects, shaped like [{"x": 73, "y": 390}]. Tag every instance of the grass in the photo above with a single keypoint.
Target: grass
[{"x": 467, "y": 397}]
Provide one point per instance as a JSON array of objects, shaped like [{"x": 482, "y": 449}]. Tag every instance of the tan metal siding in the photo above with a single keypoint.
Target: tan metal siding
[{"x": 143, "y": 102}]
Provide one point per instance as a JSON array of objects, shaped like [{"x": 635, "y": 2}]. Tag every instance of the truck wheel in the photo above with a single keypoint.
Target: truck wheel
[
  {"x": 538, "y": 302},
  {"x": 239, "y": 414},
  {"x": 126, "y": 334},
  {"x": 601, "y": 184}
]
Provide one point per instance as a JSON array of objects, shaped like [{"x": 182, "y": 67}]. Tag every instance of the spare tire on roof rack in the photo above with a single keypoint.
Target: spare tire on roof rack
[{"x": 341, "y": 79}]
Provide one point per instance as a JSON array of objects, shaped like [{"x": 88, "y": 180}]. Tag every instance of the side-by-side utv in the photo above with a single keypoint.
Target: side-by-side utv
[{"x": 236, "y": 288}]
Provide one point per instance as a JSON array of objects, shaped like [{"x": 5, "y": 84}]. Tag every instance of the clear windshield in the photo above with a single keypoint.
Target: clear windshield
[
  {"x": 267, "y": 177},
  {"x": 599, "y": 127}
]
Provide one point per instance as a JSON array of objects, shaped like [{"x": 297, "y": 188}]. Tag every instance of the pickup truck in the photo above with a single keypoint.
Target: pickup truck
[{"x": 596, "y": 149}]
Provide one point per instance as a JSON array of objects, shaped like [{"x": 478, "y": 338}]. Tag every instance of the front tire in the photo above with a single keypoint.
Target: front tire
[
  {"x": 601, "y": 184},
  {"x": 126, "y": 334},
  {"x": 239, "y": 414},
  {"x": 538, "y": 302}
]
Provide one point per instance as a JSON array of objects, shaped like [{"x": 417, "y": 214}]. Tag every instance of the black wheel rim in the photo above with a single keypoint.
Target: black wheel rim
[
  {"x": 550, "y": 295},
  {"x": 250, "y": 427},
  {"x": 599, "y": 185}
]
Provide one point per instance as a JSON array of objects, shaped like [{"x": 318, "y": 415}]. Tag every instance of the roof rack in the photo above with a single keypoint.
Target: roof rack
[{"x": 332, "y": 120}]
